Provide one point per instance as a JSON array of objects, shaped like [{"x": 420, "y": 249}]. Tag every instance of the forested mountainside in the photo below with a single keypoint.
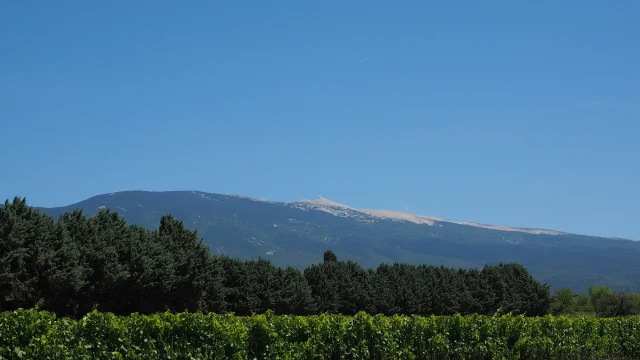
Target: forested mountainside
[{"x": 297, "y": 233}]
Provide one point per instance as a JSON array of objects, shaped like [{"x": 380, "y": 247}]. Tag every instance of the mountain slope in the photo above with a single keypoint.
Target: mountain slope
[{"x": 297, "y": 234}]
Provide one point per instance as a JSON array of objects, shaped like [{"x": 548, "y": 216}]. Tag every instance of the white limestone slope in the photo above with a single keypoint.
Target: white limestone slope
[{"x": 338, "y": 209}]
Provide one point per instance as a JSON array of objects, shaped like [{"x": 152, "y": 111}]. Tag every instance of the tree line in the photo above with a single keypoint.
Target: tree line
[
  {"x": 599, "y": 300},
  {"x": 77, "y": 263}
]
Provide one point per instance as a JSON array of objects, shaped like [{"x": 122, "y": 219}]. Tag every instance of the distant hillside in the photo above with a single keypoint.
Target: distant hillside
[{"x": 297, "y": 234}]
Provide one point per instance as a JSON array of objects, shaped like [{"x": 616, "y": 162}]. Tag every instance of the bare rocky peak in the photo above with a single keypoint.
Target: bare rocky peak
[{"x": 338, "y": 209}]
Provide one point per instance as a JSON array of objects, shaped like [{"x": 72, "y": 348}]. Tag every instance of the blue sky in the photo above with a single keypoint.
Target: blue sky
[{"x": 504, "y": 112}]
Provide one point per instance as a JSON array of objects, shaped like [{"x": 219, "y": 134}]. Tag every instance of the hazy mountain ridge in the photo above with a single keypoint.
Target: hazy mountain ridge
[{"x": 296, "y": 233}]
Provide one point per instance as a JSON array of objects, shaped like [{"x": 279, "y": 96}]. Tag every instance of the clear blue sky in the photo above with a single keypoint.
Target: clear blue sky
[{"x": 504, "y": 112}]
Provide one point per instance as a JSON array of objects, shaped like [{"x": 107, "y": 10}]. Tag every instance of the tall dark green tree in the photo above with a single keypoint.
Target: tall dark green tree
[
  {"x": 235, "y": 282},
  {"x": 293, "y": 295},
  {"x": 330, "y": 256},
  {"x": 193, "y": 271},
  {"x": 151, "y": 268},
  {"x": 68, "y": 274},
  {"x": 340, "y": 287},
  {"x": 25, "y": 254}
]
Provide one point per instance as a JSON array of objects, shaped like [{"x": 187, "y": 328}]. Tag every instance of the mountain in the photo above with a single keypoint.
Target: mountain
[{"x": 297, "y": 233}]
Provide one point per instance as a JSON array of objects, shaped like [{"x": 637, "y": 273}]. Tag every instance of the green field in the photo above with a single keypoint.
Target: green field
[{"x": 33, "y": 334}]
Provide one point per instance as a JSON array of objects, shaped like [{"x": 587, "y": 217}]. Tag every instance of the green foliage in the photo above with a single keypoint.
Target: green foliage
[
  {"x": 599, "y": 301},
  {"x": 346, "y": 288},
  {"x": 596, "y": 293},
  {"x": 582, "y": 304},
  {"x": 33, "y": 334},
  {"x": 563, "y": 302},
  {"x": 618, "y": 305},
  {"x": 79, "y": 263}
]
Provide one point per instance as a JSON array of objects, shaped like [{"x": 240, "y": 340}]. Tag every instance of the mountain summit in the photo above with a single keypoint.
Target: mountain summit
[
  {"x": 336, "y": 208},
  {"x": 297, "y": 233}
]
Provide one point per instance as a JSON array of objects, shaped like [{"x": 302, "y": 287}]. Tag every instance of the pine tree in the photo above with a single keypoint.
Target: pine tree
[
  {"x": 25, "y": 252},
  {"x": 329, "y": 256}
]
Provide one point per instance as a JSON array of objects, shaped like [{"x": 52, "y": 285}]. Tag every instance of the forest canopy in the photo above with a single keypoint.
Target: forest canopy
[{"x": 74, "y": 264}]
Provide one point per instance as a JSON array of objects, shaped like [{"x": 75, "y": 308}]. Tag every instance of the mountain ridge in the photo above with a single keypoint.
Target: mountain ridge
[
  {"x": 323, "y": 203},
  {"x": 297, "y": 233}
]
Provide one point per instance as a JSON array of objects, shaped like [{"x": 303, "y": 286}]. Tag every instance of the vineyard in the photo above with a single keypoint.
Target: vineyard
[{"x": 34, "y": 334}]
